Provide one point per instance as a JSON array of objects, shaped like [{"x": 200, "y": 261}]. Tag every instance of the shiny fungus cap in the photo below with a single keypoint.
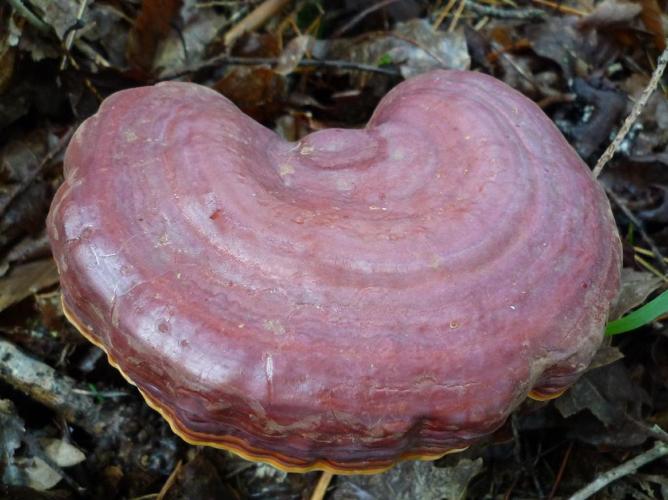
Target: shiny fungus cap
[{"x": 342, "y": 302}]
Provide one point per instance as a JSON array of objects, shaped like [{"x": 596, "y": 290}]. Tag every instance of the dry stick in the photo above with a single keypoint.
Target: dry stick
[
  {"x": 457, "y": 15},
  {"x": 164, "y": 491},
  {"x": 614, "y": 145},
  {"x": 352, "y": 65},
  {"x": 563, "y": 9},
  {"x": 649, "y": 267},
  {"x": 654, "y": 431},
  {"x": 89, "y": 85},
  {"x": 254, "y": 20},
  {"x": 321, "y": 487},
  {"x": 504, "y": 13},
  {"x": 217, "y": 3},
  {"x": 355, "y": 20},
  {"x": 633, "y": 116},
  {"x": 273, "y": 61},
  {"x": 527, "y": 77},
  {"x": 659, "y": 450},
  {"x": 45, "y": 385},
  {"x": 560, "y": 474},
  {"x": 643, "y": 234},
  {"x": 442, "y": 15},
  {"x": 92, "y": 54},
  {"x": 72, "y": 33},
  {"x": 35, "y": 21}
]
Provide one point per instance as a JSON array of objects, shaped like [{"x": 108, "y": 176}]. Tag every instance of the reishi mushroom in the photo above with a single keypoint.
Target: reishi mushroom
[{"x": 346, "y": 301}]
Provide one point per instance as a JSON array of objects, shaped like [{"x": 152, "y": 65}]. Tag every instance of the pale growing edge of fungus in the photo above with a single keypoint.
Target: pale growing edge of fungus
[{"x": 347, "y": 301}]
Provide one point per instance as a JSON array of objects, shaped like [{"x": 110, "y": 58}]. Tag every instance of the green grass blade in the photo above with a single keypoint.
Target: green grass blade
[{"x": 642, "y": 316}]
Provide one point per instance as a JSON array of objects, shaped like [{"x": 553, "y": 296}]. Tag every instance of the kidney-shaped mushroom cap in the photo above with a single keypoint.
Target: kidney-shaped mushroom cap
[{"x": 345, "y": 301}]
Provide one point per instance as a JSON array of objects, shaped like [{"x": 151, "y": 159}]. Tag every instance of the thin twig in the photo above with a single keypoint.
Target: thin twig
[
  {"x": 44, "y": 384},
  {"x": 321, "y": 487},
  {"x": 72, "y": 33},
  {"x": 510, "y": 489},
  {"x": 338, "y": 64},
  {"x": 635, "y": 113},
  {"x": 218, "y": 3},
  {"x": 257, "y": 17},
  {"x": 559, "y": 7},
  {"x": 171, "y": 480},
  {"x": 25, "y": 12},
  {"x": 560, "y": 474},
  {"x": 650, "y": 268},
  {"x": 502, "y": 13},
  {"x": 273, "y": 61},
  {"x": 643, "y": 234},
  {"x": 659, "y": 450},
  {"x": 101, "y": 394},
  {"x": 648, "y": 253},
  {"x": 443, "y": 14},
  {"x": 92, "y": 54},
  {"x": 552, "y": 99},
  {"x": 654, "y": 431},
  {"x": 361, "y": 15},
  {"x": 456, "y": 16}
]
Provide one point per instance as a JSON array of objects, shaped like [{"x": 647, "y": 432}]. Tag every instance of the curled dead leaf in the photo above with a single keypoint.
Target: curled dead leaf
[
  {"x": 150, "y": 28},
  {"x": 293, "y": 53},
  {"x": 610, "y": 12}
]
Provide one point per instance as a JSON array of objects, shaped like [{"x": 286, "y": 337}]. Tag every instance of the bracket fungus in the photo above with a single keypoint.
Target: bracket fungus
[{"x": 347, "y": 301}]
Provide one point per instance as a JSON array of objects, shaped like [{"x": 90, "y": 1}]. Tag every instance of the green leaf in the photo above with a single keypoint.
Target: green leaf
[
  {"x": 631, "y": 235},
  {"x": 641, "y": 316},
  {"x": 384, "y": 60}
]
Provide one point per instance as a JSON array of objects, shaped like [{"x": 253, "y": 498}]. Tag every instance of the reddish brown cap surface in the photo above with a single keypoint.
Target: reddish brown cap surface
[{"x": 342, "y": 302}]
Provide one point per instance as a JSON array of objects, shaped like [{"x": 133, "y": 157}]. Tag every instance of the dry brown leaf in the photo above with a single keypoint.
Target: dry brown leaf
[
  {"x": 59, "y": 14},
  {"x": 151, "y": 27},
  {"x": 40, "y": 476},
  {"x": 573, "y": 49},
  {"x": 413, "y": 479},
  {"x": 611, "y": 396},
  {"x": 258, "y": 91},
  {"x": 25, "y": 280},
  {"x": 188, "y": 47},
  {"x": 292, "y": 54},
  {"x": 606, "y": 355},
  {"x": 62, "y": 453},
  {"x": 11, "y": 436},
  {"x": 598, "y": 394},
  {"x": 635, "y": 288},
  {"x": 414, "y": 47},
  {"x": 610, "y": 12},
  {"x": 7, "y": 58},
  {"x": 652, "y": 19}
]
